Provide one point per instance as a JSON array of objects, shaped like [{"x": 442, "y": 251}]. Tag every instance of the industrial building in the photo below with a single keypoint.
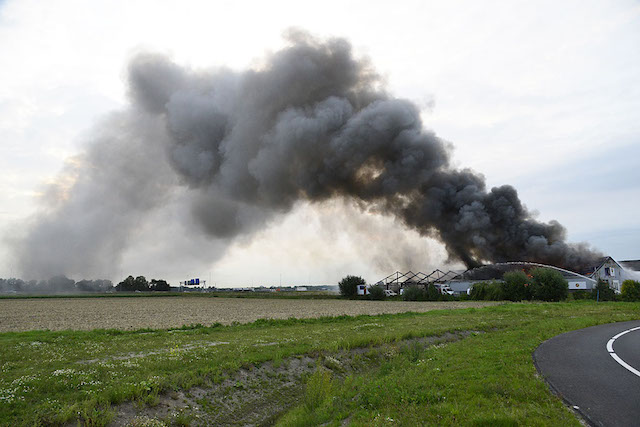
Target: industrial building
[{"x": 606, "y": 268}]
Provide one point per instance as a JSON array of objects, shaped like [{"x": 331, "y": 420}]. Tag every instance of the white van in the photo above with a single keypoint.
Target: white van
[{"x": 446, "y": 290}]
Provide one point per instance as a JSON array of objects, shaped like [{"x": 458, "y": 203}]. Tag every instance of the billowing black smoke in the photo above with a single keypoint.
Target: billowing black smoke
[{"x": 311, "y": 123}]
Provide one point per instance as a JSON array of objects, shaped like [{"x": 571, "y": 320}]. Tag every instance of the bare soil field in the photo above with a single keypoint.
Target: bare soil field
[{"x": 136, "y": 313}]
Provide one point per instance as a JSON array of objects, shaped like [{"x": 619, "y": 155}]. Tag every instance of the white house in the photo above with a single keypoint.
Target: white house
[{"x": 614, "y": 273}]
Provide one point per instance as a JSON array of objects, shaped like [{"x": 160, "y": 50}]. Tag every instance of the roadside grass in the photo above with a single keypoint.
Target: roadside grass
[
  {"x": 488, "y": 378},
  {"x": 484, "y": 380}
]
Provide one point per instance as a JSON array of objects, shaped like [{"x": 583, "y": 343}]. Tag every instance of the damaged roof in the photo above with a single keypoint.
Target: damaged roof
[
  {"x": 496, "y": 271},
  {"x": 631, "y": 264}
]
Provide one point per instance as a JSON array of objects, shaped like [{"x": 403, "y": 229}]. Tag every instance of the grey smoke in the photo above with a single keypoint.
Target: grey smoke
[
  {"x": 312, "y": 123},
  {"x": 90, "y": 215}
]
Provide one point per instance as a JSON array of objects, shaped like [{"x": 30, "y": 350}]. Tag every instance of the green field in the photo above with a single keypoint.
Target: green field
[{"x": 469, "y": 367}]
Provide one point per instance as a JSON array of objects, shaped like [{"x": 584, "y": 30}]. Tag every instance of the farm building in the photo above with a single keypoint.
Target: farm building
[
  {"x": 464, "y": 281},
  {"x": 613, "y": 272},
  {"x": 606, "y": 268}
]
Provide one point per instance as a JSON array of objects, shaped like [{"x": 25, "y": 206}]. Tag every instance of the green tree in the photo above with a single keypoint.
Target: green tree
[
  {"x": 432, "y": 293},
  {"x": 478, "y": 291},
  {"x": 349, "y": 286},
  {"x": 630, "y": 290},
  {"x": 127, "y": 285},
  {"x": 414, "y": 293},
  {"x": 376, "y": 292},
  {"x": 495, "y": 291},
  {"x": 603, "y": 292},
  {"x": 516, "y": 286},
  {"x": 141, "y": 284},
  {"x": 548, "y": 285},
  {"x": 488, "y": 291},
  {"x": 130, "y": 284},
  {"x": 159, "y": 285}
]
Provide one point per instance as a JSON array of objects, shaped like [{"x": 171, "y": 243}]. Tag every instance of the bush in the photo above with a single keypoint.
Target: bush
[
  {"x": 603, "y": 292},
  {"x": 318, "y": 389},
  {"x": 630, "y": 290},
  {"x": 488, "y": 291},
  {"x": 349, "y": 286},
  {"x": 376, "y": 293},
  {"x": 478, "y": 291},
  {"x": 548, "y": 285},
  {"x": 414, "y": 293},
  {"x": 432, "y": 293},
  {"x": 447, "y": 297},
  {"x": 462, "y": 297},
  {"x": 578, "y": 295},
  {"x": 516, "y": 286},
  {"x": 418, "y": 293},
  {"x": 495, "y": 291}
]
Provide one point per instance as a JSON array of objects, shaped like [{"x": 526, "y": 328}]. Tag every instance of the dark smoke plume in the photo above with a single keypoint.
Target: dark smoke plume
[{"x": 311, "y": 123}]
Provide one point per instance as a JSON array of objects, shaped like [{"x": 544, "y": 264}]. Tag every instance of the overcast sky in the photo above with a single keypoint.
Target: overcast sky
[{"x": 542, "y": 95}]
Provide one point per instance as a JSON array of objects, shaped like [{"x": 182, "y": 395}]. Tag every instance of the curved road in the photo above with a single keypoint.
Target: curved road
[{"x": 597, "y": 371}]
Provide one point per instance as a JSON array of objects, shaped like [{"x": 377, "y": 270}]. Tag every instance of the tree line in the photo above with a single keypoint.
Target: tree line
[
  {"x": 65, "y": 285},
  {"x": 140, "y": 284}
]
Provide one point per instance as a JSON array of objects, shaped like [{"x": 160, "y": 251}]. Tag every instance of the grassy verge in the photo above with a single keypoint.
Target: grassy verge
[{"x": 486, "y": 378}]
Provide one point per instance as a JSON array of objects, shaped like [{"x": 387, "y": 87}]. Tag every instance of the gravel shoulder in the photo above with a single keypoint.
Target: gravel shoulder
[{"x": 136, "y": 313}]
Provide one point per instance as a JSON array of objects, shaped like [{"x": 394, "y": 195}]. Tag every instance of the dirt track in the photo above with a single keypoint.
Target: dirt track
[{"x": 171, "y": 312}]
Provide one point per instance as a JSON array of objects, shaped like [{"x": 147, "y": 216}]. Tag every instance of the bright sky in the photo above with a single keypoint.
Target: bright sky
[{"x": 541, "y": 95}]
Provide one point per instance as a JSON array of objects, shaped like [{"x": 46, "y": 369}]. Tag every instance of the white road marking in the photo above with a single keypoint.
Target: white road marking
[{"x": 616, "y": 357}]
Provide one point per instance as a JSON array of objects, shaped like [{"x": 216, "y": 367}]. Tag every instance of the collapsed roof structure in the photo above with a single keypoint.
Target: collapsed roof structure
[{"x": 400, "y": 280}]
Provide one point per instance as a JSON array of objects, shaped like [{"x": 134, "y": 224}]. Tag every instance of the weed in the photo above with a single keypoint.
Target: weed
[
  {"x": 182, "y": 418},
  {"x": 318, "y": 389},
  {"x": 412, "y": 351}
]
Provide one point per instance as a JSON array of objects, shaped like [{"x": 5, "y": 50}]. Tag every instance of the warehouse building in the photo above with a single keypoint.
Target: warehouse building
[
  {"x": 461, "y": 283},
  {"x": 606, "y": 269}
]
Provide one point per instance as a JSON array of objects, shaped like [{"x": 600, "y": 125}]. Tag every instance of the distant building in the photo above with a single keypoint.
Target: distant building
[{"x": 613, "y": 272}]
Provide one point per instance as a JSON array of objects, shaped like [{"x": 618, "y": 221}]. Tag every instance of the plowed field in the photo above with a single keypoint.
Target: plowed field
[{"x": 172, "y": 312}]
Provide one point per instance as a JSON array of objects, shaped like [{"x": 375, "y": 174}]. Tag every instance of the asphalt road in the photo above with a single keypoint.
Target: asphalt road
[{"x": 581, "y": 370}]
